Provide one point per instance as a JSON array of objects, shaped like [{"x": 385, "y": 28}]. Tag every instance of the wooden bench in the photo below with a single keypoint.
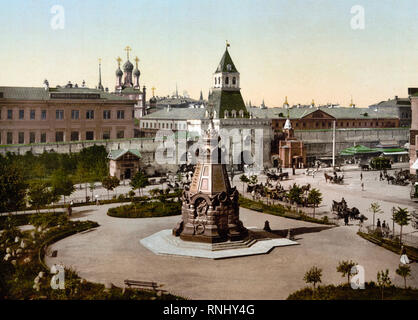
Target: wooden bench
[{"x": 147, "y": 285}]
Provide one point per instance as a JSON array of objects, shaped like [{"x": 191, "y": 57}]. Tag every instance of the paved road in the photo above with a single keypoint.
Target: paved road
[{"x": 113, "y": 253}]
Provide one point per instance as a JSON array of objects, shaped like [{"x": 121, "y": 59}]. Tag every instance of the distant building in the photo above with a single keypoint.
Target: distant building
[
  {"x": 292, "y": 152},
  {"x": 127, "y": 84},
  {"x": 225, "y": 105},
  {"x": 323, "y": 117},
  {"x": 124, "y": 163},
  {"x": 413, "y": 142},
  {"x": 62, "y": 114},
  {"x": 400, "y": 107}
]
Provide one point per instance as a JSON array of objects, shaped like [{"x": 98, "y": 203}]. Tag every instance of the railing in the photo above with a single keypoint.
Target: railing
[{"x": 409, "y": 239}]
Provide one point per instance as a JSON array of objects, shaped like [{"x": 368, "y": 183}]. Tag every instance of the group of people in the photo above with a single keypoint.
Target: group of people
[{"x": 383, "y": 227}]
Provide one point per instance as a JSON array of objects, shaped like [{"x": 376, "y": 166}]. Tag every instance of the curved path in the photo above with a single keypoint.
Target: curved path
[{"x": 113, "y": 253}]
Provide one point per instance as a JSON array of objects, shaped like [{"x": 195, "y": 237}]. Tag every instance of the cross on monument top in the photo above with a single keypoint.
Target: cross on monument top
[
  {"x": 153, "y": 89},
  {"x": 118, "y": 59}
]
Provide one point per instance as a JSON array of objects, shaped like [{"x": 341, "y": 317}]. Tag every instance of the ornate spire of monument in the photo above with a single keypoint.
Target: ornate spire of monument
[{"x": 210, "y": 211}]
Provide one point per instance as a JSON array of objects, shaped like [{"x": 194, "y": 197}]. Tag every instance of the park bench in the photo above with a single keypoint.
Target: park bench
[{"x": 147, "y": 285}]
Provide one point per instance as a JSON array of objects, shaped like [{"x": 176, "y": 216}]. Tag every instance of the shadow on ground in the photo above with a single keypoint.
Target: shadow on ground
[
  {"x": 294, "y": 232},
  {"x": 81, "y": 213}
]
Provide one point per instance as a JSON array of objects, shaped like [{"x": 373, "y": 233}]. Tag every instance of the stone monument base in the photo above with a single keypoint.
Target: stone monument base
[{"x": 165, "y": 243}]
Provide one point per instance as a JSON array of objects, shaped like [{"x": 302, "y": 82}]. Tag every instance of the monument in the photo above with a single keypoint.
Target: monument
[{"x": 210, "y": 210}]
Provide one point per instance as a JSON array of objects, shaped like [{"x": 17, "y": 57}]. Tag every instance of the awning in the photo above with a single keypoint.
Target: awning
[{"x": 359, "y": 150}]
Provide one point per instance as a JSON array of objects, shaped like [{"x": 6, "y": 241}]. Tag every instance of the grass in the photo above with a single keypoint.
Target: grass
[
  {"x": 278, "y": 210},
  {"x": 393, "y": 246},
  {"x": 345, "y": 292},
  {"x": 146, "y": 210}
]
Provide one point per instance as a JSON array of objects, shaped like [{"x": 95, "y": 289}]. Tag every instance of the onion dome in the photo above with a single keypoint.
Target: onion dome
[
  {"x": 119, "y": 72},
  {"x": 128, "y": 66},
  {"x": 153, "y": 100},
  {"x": 137, "y": 73}
]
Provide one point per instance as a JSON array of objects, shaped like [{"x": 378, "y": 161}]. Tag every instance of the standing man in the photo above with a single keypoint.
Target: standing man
[{"x": 361, "y": 176}]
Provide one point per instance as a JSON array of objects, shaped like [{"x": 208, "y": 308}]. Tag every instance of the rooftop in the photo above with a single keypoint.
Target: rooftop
[{"x": 38, "y": 93}]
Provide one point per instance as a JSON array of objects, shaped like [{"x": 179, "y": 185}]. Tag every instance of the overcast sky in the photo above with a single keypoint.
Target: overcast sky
[{"x": 303, "y": 49}]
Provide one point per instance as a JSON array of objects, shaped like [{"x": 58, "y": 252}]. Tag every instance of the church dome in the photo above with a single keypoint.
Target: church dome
[
  {"x": 119, "y": 72},
  {"x": 153, "y": 100},
  {"x": 128, "y": 66},
  {"x": 137, "y": 73}
]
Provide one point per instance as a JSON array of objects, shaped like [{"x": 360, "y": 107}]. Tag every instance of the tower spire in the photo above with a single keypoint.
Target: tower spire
[{"x": 100, "y": 86}]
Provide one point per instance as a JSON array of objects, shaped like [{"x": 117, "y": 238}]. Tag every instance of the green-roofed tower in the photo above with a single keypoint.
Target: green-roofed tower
[{"x": 225, "y": 98}]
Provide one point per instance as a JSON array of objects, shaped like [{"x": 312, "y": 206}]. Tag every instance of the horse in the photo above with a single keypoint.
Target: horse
[{"x": 327, "y": 177}]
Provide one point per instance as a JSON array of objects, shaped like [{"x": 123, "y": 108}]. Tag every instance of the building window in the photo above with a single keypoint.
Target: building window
[
  {"x": 59, "y": 136},
  {"x": 133, "y": 114},
  {"x": 31, "y": 137},
  {"x": 227, "y": 80},
  {"x": 106, "y": 114},
  {"x": 89, "y": 135},
  {"x": 121, "y": 114},
  {"x": 234, "y": 81},
  {"x": 9, "y": 114},
  {"x": 75, "y": 114},
  {"x": 106, "y": 135},
  {"x": 43, "y": 137},
  {"x": 32, "y": 114},
  {"x": 21, "y": 114},
  {"x": 120, "y": 134},
  {"x": 21, "y": 138},
  {"x": 74, "y": 136},
  {"x": 59, "y": 114},
  {"x": 43, "y": 115},
  {"x": 90, "y": 114},
  {"x": 9, "y": 137}
]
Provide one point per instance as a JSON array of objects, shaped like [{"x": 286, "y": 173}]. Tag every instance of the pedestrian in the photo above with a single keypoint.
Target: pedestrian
[
  {"x": 362, "y": 186},
  {"x": 361, "y": 176},
  {"x": 381, "y": 176},
  {"x": 378, "y": 223},
  {"x": 404, "y": 258},
  {"x": 346, "y": 219},
  {"x": 384, "y": 224},
  {"x": 313, "y": 175}
]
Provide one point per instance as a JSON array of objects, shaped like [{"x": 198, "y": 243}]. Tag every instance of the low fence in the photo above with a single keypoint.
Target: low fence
[{"x": 409, "y": 239}]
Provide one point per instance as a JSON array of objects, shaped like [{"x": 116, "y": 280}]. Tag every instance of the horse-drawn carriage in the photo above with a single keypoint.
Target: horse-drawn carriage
[
  {"x": 401, "y": 178},
  {"x": 334, "y": 179},
  {"x": 344, "y": 212},
  {"x": 275, "y": 177}
]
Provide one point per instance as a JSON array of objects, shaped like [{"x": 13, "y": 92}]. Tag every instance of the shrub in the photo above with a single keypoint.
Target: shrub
[{"x": 146, "y": 210}]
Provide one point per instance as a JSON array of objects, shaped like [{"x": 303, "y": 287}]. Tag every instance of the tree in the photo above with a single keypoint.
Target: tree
[
  {"x": 295, "y": 194},
  {"x": 253, "y": 179},
  {"x": 110, "y": 183},
  {"x": 139, "y": 181},
  {"x": 402, "y": 218},
  {"x": 404, "y": 271},
  {"x": 344, "y": 267},
  {"x": 375, "y": 208},
  {"x": 12, "y": 188},
  {"x": 314, "y": 198},
  {"x": 244, "y": 179},
  {"x": 154, "y": 192},
  {"x": 313, "y": 275},
  {"x": 383, "y": 280},
  {"x": 39, "y": 194},
  {"x": 61, "y": 184}
]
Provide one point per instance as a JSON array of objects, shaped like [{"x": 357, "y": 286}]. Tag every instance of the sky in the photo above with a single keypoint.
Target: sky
[{"x": 303, "y": 49}]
